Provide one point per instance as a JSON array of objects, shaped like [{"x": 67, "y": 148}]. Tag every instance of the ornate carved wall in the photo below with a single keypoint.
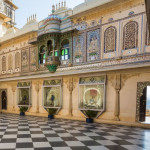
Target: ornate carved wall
[
  {"x": 110, "y": 36},
  {"x": 93, "y": 45},
  {"x": 3, "y": 63},
  {"x": 33, "y": 58},
  {"x": 78, "y": 49},
  {"x": 17, "y": 60},
  {"x": 25, "y": 60},
  {"x": 10, "y": 62}
]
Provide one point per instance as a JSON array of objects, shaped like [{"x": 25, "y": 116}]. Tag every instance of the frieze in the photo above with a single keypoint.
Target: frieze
[{"x": 108, "y": 63}]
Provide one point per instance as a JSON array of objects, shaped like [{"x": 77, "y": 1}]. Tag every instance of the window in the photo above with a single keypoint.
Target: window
[
  {"x": 65, "y": 50},
  {"x": 130, "y": 35},
  {"x": 110, "y": 39},
  {"x": 42, "y": 55},
  {"x": 49, "y": 48}
]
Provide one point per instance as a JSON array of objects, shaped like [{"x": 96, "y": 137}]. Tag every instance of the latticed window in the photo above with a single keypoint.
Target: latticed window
[
  {"x": 65, "y": 50},
  {"x": 147, "y": 38},
  {"x": 3, "y": 63},
  {"x": 130, "y": 35},
  {"x": 42, "y": 55},
  {"x": 110, "y": 39}
]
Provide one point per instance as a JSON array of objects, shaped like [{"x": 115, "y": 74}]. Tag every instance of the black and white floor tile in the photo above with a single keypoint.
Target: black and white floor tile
[{"x": 38, "y": 133}]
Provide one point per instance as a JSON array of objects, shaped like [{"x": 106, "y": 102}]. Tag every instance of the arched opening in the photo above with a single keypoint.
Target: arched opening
[
  {"x": 42, "y": 55},
  {"x": 143, "y": 102},
  {"x": 4, "y": 100},
  {"x": 49, "y": 48},
  {"x": 65, "y": 50}
]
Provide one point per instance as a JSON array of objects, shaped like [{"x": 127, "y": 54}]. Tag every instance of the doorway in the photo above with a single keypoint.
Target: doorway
[
  {"x": 4, "y": 100},
  {"x": 144, "y": 115}
]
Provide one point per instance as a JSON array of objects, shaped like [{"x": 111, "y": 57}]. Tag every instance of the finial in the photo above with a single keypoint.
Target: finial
[
  {"x": 62, "y": 3},
  {"x": 59, "y": 4},
  {"x": 27, "y": 20},
  {"x": 35, "y": 16},
  {"x": 53, "y": 8},
  {"x": 31, "y": 17},
  {"x": 65, "y": 4},
  {"x": 56, "y": 6}
]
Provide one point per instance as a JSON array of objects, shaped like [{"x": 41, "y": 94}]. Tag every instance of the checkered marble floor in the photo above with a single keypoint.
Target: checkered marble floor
[{"x": 37, "y": 133}]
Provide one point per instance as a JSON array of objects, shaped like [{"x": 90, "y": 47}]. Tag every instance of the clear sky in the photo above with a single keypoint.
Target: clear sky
[{"x": 40, "y": 7}]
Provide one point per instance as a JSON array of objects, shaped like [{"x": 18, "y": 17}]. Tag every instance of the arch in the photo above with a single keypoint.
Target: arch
[
  {"x": 17, "y": 60},
  {"x": 130, "y": 37},
  {"x": 49, "y": 47},
  {"x": 42, "y": 54},
  {"x": 65, "y": 50},
  {"x": 3, "y": 63},
  {"x": 110, "y": 36},
  {"x": 10, "y": 62}
]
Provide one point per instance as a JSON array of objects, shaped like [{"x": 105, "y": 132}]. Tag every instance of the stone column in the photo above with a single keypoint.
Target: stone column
[
  {"x": 117, "y": 102},
  {"x": 70, "y": 87},
  {"x": 13, "y": 90},
  {"x": 37, "y": 88}
]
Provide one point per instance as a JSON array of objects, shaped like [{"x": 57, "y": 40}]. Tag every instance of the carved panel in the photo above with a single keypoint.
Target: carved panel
[
  {"x": 110, "y": 39},
  {"x": 33, "y": 59},
  {"x": 25, "y": 60},
  {"x": 93, "y": 45},
  {"x": 78, "y": 49},
  {"x": 17, "y": 60},
  {"x": 130, "y": 35},
  {"x": 3, "y": 63},
  {"x": 10, "y": 62}
]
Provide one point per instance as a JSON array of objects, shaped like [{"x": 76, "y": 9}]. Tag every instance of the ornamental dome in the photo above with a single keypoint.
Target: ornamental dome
[
  {"x": 52, "y": 17},
  {"x": 50, "y": 25}
]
